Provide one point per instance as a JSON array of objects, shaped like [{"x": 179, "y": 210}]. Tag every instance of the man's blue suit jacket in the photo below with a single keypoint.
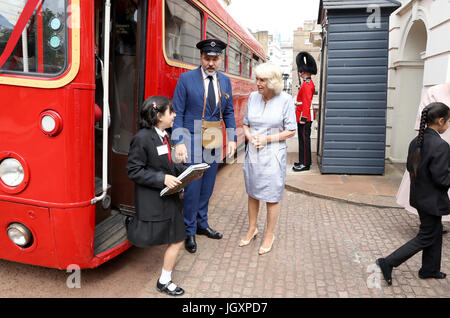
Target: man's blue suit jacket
[{"x": 188, "y": 102}]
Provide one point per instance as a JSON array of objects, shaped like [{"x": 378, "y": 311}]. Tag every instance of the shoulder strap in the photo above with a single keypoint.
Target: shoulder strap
[
  {"x": 204, "y": 96},
  {"x": 218, "y": 93}
]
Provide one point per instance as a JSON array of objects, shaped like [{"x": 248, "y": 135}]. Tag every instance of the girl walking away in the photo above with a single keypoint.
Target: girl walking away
[
  {"x": 428, "y": 166},
  {"x": 158, "y": 220}
]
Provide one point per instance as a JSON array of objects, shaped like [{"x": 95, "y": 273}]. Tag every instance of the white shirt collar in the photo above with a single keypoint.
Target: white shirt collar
[{"x": 161, "y": 134}]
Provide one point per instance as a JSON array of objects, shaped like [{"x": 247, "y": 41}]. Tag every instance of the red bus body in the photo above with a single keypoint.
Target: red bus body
[{"x": 54, "y": 200}]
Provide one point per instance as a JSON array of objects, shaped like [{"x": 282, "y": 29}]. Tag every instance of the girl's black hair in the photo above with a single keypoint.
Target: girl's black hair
[
  {"x": 150, "y": 109},
  {"x": 430, "y": 114}
]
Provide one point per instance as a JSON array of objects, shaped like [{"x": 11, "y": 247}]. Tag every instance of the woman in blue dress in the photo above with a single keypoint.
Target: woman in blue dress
[{"x": 269, "y": 121}]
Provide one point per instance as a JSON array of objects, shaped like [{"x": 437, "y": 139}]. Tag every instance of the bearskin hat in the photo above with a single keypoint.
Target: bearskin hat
[{"x": 306, "y": 63}]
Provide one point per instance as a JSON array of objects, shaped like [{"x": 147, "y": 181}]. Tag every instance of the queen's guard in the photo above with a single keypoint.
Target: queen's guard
[{"x": 306, "y": 66}]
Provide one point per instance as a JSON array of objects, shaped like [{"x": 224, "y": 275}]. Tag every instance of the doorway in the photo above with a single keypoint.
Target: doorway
[
  {"x": 126, "y": 87},
  {"x": 409, "y": 81}
]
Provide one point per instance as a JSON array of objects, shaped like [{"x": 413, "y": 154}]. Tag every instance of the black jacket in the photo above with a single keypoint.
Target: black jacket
[
  {"x": 148, "y": 169},
  {"x": 429, "y": 193}
]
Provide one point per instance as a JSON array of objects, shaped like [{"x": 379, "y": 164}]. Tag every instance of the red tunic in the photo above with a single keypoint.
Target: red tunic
[{"x": 304, "y": 108}]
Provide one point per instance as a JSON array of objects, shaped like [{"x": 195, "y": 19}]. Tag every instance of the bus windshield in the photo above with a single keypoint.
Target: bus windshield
[
  {"x": 33, "y": 37},
  {"x": 10, "y": 12}
]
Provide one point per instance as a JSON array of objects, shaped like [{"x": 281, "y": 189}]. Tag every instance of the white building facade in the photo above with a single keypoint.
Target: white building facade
[
  {"x": 287, "y": 53},
  {"x": 274, "y": 54},
  {"x": 419, "y": 57}
]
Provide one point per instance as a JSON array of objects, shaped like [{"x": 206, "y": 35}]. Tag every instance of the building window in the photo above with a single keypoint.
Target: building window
[
  {"x": 214, "y": 31},
  {"x": 235, "y": 51},
  {"x": 183, "y": 25}
]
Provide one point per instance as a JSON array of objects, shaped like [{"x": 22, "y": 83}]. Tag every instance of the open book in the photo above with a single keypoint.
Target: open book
[{"x": 186, "y": 177}]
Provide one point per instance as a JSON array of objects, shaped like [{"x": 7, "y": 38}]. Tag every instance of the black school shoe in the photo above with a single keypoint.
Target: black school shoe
[
  {"x": 165, "y": 289},
  {"x": 386, "y": 269},
  {"x": 439, "y": 275},
  {"x": 190, "y": 244}
]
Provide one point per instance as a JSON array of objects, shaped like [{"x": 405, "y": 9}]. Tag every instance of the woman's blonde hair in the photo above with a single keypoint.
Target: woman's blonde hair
[{"x": 272, "y": 73}]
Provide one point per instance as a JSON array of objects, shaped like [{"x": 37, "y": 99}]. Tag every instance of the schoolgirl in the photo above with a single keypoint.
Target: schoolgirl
[
  {"x": 150, "y": 165},
  {"x": 428, "y": 166}
]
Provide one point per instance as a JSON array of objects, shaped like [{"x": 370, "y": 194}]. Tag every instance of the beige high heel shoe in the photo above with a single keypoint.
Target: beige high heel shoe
[
  {"x": 244, "y": 242},
  {"x": 263, "y": 250}
]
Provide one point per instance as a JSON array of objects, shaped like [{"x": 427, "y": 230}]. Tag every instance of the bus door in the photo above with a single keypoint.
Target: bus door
[{"x": 127, "y": 71}]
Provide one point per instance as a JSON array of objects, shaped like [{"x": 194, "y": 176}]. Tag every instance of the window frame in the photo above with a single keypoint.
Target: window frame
[
  {"x": 240, "y": 55},
  {"x": 66, "y": 43},
  {"x": 245, "y": 47},
  {"x": 73, "y": 57},
  {"x": 172, "y": 61}
]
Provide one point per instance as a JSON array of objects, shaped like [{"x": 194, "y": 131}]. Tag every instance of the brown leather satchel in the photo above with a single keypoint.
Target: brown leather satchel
[{"x": 212, "y": 131}]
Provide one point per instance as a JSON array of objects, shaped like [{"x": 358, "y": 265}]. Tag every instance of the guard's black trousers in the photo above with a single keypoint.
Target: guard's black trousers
[
  {"x": 304, "y": 143},
  {"x": 429, "y": 240}
]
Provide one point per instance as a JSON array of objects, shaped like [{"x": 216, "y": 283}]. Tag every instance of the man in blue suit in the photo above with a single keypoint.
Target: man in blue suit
[{"x": 188, "y": 102}]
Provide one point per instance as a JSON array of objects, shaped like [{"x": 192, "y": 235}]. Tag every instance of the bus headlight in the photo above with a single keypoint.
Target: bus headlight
[
  {"x": 20, "y": 234},
  {"x": 11, "y": 172}
]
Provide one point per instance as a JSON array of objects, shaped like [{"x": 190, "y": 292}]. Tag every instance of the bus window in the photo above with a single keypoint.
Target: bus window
[
  {"x": 45, "y": 50},
  {"x": 214, "y": 31},
  {"x": 246, "y": 63},
  {"x": 183, "y": 31},
  {"x": 255, "y": 62},
  {"x": 234, "y": 64}
]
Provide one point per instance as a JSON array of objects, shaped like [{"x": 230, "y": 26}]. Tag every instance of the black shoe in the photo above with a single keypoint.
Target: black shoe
[
  {"x": 190, "y": 244},
  {"x": 386, "y": 269},
  {"x": 300, "y": 168},
  {"x": 444, "y": 230},
  {"x": 165, "y": 289},
  {"x": 209, "y": 232},
  {"x": 297, "y": 164},
  {"x": 439, "y": 275}
]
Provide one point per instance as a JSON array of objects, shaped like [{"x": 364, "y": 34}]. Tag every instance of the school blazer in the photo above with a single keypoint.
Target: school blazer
[
  {"x": 148, "y": 169},
  {"x": 188, "y": 100},
  {"x": 429, "y": 193}
]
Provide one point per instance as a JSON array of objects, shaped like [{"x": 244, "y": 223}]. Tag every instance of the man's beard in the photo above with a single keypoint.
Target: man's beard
[{"x": 209, "y": 73}]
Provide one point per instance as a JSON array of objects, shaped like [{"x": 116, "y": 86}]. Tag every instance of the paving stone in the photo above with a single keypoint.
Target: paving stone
[{"x": 323, "y": 248}]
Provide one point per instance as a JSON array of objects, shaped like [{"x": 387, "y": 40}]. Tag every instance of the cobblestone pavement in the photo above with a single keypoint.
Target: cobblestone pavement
[{"x": 323, "y": 248}]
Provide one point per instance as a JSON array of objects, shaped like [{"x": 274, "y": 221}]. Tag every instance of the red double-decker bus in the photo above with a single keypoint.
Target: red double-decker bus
[{"x": 71, "y": 87}]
